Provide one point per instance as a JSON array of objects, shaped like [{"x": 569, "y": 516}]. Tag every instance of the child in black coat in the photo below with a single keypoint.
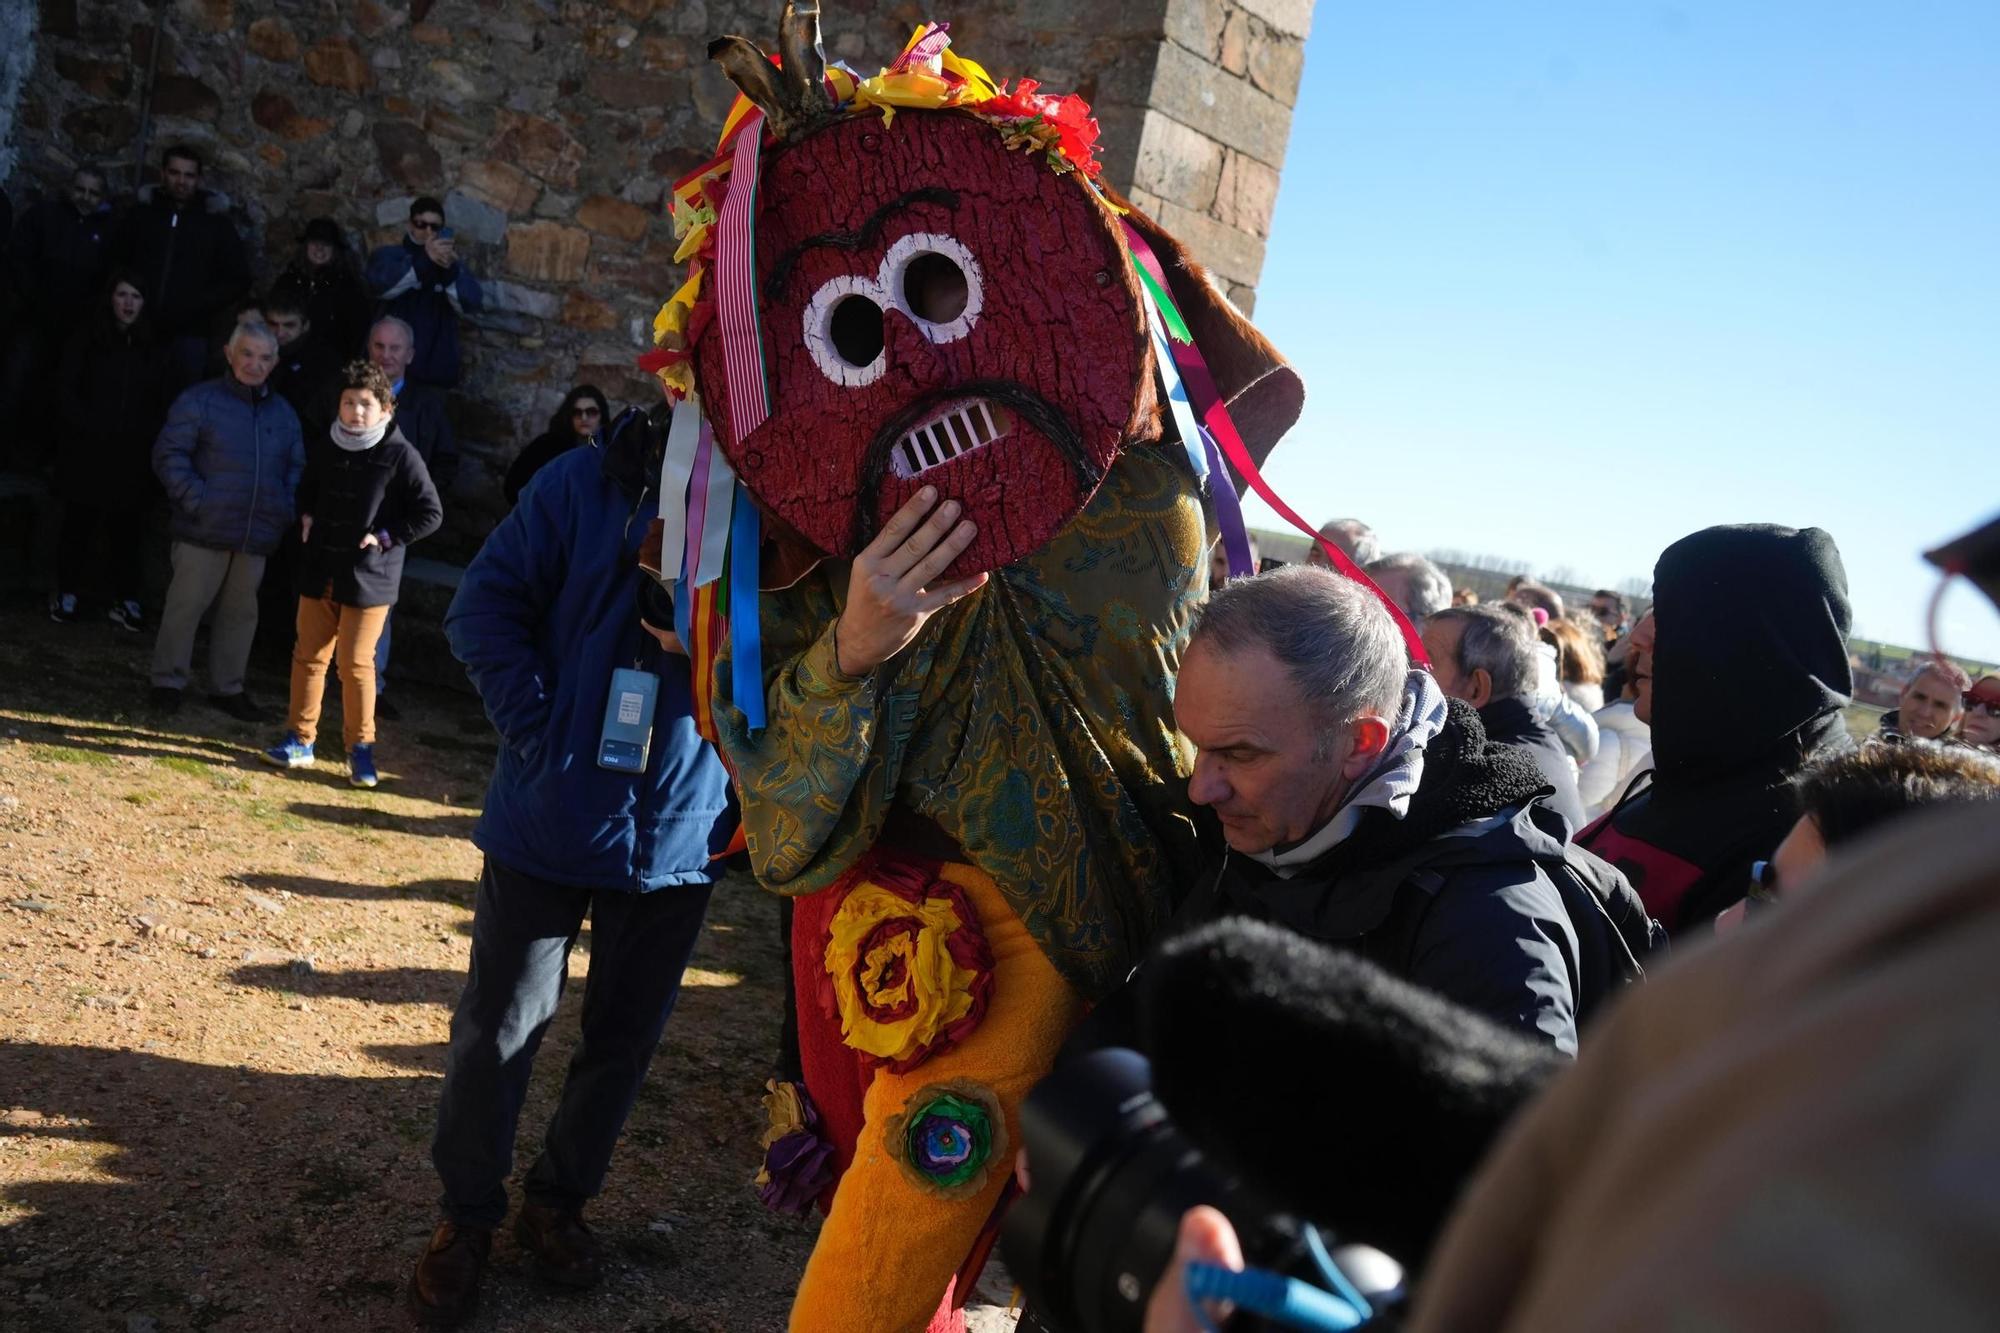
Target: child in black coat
[{"x": 365, "y": 497}]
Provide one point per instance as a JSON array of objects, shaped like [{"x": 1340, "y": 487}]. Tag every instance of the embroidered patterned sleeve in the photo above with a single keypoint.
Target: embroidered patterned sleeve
[{"x": 815, "y": 792}]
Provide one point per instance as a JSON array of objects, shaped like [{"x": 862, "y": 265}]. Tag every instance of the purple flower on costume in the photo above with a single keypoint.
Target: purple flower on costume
[{"x": 798, "y": 1160}]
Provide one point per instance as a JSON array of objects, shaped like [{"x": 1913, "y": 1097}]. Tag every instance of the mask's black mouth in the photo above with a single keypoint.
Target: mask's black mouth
[
  {"x": 961, "y": 419},
  {"x": 972, "y": 423}
]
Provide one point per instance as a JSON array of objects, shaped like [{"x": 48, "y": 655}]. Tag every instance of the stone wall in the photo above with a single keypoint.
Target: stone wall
[{"x": 552, "y": 128}]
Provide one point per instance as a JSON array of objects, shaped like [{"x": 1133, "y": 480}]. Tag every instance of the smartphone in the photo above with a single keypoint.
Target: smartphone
[{"x": 446, "y": 233}]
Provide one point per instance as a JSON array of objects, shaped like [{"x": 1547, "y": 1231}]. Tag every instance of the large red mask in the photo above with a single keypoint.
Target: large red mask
[{"x": 937, "y": 309}]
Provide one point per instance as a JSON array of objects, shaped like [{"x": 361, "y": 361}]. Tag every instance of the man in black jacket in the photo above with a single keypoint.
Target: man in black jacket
[
  {"x": 1362, "y": 807},
  {"x": 57, "y": 257},
  {"x": 1485, "y": 655},
  {"x": 179, "y": 239}
]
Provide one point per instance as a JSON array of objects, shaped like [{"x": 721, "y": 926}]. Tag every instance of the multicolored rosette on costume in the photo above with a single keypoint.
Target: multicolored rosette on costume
[
  {"x": 798, "y": 1160},
  {"x": 910, "y": 967},
  {"x": 948, "y": 1137}
]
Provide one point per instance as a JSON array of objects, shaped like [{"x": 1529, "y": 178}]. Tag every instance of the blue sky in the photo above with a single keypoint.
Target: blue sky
[{"x": 1571, "y": 279}]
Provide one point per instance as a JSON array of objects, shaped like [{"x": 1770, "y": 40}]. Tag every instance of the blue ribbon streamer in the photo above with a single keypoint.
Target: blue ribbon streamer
[
  {"x": 746, "y": 640},
  {"x": 1176, "y": 392}
]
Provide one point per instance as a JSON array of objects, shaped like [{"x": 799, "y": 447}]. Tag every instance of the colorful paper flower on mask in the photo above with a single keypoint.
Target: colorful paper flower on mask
[
  {"x": 798, "y": 1160},
  {"x": 948, "y": 1137},
  {"x": 910, "y": 968}
]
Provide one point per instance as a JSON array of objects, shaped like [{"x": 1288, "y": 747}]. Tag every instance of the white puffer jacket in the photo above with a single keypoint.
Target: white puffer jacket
[{"x": 1624, "y": 750}]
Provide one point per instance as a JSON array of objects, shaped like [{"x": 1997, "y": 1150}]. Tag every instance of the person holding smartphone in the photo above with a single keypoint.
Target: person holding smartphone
[{"x": 424, "y": 283}]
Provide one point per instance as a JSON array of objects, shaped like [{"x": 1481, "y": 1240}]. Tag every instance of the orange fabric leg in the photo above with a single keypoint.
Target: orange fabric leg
[{"x": 890, "y": 1246}]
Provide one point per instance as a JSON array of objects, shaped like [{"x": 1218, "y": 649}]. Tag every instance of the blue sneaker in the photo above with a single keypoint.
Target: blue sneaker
[
  {"x": 361, "y": 766},
  {"x": 290, "y": 752}
]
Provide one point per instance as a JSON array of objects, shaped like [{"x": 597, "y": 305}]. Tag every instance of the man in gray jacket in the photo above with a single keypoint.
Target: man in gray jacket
[{"x": 230, "y": 458}]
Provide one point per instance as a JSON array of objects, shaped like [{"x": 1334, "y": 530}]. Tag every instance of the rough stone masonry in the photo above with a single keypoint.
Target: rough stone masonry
[{"x": 552, "y": 129}]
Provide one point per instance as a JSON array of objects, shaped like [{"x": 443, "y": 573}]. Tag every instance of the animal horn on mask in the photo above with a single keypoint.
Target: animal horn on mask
[{"x": 792, "y": 95}]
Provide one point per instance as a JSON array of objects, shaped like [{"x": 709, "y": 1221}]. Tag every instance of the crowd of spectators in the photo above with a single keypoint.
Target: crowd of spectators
[{"x": 145, "y": 376}]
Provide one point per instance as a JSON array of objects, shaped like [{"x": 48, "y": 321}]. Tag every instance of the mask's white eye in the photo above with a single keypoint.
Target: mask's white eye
[
  {"x": 934, "y": 280},
  {"x": 843, "y": 330}
]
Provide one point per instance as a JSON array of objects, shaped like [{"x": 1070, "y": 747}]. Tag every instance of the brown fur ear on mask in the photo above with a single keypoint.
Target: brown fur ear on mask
[{"x": 1265, "y": 395}]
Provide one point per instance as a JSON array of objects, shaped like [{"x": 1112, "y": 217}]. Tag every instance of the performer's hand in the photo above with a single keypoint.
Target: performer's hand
[{"x": 890, "y": 589}]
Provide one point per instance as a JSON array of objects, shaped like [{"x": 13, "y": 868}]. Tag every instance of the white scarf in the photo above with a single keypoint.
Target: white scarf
[
  {"x": 355, "y": 442},
  {"x": 1389, "y": 786}
]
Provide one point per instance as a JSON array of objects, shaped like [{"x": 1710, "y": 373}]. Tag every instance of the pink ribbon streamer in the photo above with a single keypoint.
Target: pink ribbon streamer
[
  {"x": 1207, "y": 400},
  {"x": 736, "y": 286}
]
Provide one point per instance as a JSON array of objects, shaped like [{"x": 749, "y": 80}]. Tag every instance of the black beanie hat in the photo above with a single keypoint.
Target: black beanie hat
[{"x": 327, "y": 231}]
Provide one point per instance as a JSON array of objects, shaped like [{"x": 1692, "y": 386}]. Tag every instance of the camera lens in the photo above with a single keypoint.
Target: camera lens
[{"x": 1111, "y": 1177}]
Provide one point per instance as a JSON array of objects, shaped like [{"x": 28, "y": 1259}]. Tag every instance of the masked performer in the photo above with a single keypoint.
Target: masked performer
[{"x": 939, "y": 396}]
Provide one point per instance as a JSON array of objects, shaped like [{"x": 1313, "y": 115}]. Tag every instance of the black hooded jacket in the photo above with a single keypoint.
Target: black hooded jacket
[{"x": 1750, "y": 674}]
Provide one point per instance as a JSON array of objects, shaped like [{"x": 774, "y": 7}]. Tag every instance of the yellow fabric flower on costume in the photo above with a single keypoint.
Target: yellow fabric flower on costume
[{"x": 910, "y": 968}]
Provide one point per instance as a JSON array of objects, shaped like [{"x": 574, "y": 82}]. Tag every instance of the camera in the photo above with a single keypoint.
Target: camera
[{"x": 1110, "y": 1176}]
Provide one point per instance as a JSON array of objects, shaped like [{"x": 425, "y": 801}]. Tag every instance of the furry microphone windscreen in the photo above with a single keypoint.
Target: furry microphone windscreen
[{"x": 1337, "y": 1091}]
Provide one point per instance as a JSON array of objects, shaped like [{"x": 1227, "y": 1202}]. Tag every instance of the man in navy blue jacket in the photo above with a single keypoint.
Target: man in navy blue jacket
[
  {"x": 424, "y": 283},
  {"x": 546, "y": 613}
]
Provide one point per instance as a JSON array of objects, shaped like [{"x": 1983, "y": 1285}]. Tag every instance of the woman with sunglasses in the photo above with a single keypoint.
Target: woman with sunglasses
[
  {"x": 1980, "y": 727},
  {"x": 580, "y": 420}
]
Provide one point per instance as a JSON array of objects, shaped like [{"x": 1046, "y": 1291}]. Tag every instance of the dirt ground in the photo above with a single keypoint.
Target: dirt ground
[{"x": 224, "y": 995}]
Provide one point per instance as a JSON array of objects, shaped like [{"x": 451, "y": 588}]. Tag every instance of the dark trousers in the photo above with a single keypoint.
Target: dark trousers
[
  {"x": 101, "y": 544},
  {"x": 522, "y": 931}
]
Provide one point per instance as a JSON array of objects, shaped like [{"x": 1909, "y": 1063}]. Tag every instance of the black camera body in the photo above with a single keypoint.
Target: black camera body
[{"x": 1109, "y": 1178}]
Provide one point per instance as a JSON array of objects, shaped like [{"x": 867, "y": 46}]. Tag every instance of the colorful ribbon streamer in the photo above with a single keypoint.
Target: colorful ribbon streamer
[
  {"x": 676, "y": 471},
  {"x": 736, "y": 287},
  {"x": 746, "y": 648},
  {"x": 1171, "y": 387},
  {"x": 714, "y": 546},
  {"x": 1228, "y": 511},
  {"x": 1207, "y": 400}
]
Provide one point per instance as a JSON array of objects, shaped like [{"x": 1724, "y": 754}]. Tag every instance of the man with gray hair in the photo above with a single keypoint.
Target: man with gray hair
[
  {"x": 1488, "y": 655},
  {"x": 1413, "y": 583},
  {"x": 1362, "y": 807},
  {"x": 421, "y": 417},
  {"x": 1351, "y": 535},
  {"x": 230, "y": 458}
]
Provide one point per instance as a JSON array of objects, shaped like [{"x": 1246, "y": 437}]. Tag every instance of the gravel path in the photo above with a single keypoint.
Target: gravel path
[{"x": 224, "y": 994}]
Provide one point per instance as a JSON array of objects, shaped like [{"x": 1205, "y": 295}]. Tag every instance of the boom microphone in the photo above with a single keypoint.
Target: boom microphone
[{"x": 1340, "y": 1092}]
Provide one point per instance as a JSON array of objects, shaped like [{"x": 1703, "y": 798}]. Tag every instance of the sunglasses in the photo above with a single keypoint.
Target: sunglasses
[
  {"x": 1978, "y": 704},
  {"x": 426, "y": 224},
  {"x": 585, "y": 412},
  {"x": 1763, "y": 882}
]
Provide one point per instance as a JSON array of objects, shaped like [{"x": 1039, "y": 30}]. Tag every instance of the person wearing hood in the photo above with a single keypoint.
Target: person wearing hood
[
  {"x": 425, "y": 283},
  {"x": 322, "y": 278},
  {"x": 579, "y": 421},
  {"x": 365, "y": 497},
  {"x": 112, "y": 397},
  {"x": 179, "y": 239},
  {"x": 1740, "y": 693},
  {"x": 1361, "y": 806}
]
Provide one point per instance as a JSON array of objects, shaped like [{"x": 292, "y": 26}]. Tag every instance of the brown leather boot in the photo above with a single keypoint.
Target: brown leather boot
[
  {"x": 444, "y": 1290},
  {"x": 565, "y": 1252}
]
